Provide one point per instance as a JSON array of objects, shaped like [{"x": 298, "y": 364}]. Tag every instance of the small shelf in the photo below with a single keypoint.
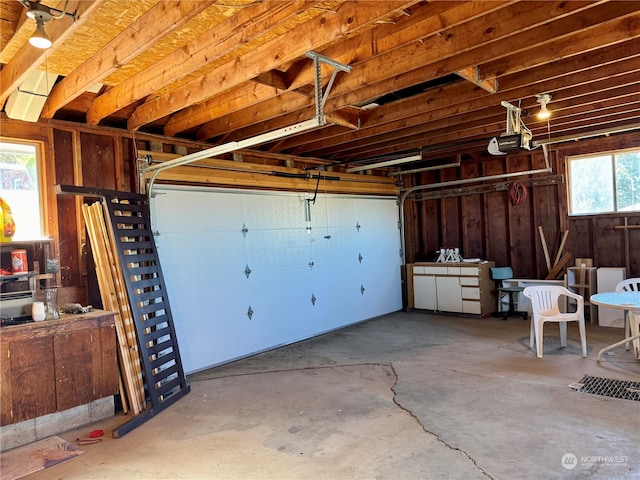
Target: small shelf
[
  {"x": 582, "y": 280},
  {"x": 17, "y": 277}
]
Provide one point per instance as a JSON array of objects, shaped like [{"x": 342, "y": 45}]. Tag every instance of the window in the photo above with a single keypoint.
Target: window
[
  {"x": 20, "y": 191},
  {"x": 604, "y": 183}
]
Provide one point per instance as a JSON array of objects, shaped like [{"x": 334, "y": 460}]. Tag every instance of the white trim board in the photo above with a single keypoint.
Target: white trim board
[{"x": 204, "y": 254}]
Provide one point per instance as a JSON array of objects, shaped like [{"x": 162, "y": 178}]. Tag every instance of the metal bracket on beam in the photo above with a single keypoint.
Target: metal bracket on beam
[{"x": 321, "y": 98}]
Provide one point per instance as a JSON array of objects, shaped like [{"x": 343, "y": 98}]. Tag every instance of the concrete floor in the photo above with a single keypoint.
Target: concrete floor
[{"x": 404, "y": 396}]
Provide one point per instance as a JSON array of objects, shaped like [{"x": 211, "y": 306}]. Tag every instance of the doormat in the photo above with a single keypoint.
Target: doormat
[
  {"x": 21, "y": 461},
  {"x": 610, "y": 388}
]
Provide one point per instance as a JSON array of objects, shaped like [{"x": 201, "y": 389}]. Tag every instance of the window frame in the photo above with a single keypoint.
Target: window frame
[
  {"x": 612, "y": 154},
  {"x": 42, "y": 192}
]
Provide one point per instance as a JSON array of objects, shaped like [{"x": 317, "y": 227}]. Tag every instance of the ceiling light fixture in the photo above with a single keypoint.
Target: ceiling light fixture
[
  {"x": 543, "y": 99},
  {"x": 41, "y": 14},
  {"x": 39, "y": 38}
]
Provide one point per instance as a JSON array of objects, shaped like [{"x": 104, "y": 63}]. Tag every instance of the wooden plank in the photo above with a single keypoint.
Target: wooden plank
[
  {"x": 161, "y": 19},
  {"x": 111, "y": 301},
  {"x": 610, "y": 23},
  {"x": 32, "y": 382},
  {"x": 124, "y": 306},
  {"x": 73, "y": 368},
  {"x": 6, "y": 406},
  {"x": 556, "y": 271},
  {"x": 561, "y": 247},
  {"x": 545, "y": 249}
]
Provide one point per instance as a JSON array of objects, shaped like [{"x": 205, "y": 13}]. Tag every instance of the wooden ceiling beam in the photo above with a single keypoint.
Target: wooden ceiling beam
[
  {"x": 459, "y": 114},
  {"x": 432, "y": 21},
  {"x": 274, "y": 78},
  {"x": 615, "y": 58},
  {"x": 242, "y": 97},
  {"x": 160, "y": 20},
  {"x": 235, "y": 32},
  {"x": 470, "y": 74},
  {"x": 437, "y": 122},
  {"x": 445, "y": 96},
  {"x": 15, "y": 26},
  {"x": 422, "y": 135},
  {"x": 439, "y": 54},
  {"x": 387, "y": 63},
  {"x": 350, "y": 19},
  {"x": 30, "y": 58},
  {"x": 569, "y": 41},
  {"x": 487, "y": 130},
  {"x": 616, "y": 86},
  {"x": 425, "y": 21},
  {"x": 289, "y": 103},
  {"x": 440, "y": 57}
]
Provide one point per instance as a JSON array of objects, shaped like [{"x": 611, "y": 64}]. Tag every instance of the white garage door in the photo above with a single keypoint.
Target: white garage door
[{"x": 244, "y": 273}]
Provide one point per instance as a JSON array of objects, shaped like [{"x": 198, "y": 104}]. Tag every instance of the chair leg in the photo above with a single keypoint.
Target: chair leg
[
  {"x": 563, "y": 334},
  {"x": 532, "y": 334},
  {"x": 539, "y": 338},
  {"x": 583, "y": 337}
]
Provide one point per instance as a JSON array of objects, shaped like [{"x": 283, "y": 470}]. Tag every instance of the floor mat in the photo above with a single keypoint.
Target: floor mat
[
  {"x": 611, "y": 388},
  {"x": 39, "y": 455}
]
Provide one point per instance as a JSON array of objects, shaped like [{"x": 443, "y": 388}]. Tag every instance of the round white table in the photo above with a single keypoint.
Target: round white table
[{"x": 629, "y": 301}]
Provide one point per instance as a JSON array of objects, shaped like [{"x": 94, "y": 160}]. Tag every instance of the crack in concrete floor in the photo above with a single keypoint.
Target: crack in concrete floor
[
  {"x": 395, "y": 400},
  {"x": 440, "y": 439}
]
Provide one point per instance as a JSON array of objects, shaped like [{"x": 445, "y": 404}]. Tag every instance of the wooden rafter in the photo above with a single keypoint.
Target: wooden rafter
[
  {"x": 366, "y": 47},
  {"x": 29, "y": 58},
  {"x": 210, "y": 46},
  {"x": 289, "y": 46},
  {"x": 156, "y": 22}
]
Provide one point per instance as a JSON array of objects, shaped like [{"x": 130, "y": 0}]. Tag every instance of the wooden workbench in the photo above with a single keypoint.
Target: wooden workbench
[{"x": 55, "y": 365}]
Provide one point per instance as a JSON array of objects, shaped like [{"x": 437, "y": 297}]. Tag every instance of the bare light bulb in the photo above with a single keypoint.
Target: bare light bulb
[
  {"x": 39, "y": 38},
  {"x": 543, "y": 99}
]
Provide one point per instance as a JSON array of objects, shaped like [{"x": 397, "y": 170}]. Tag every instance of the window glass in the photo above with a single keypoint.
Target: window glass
[
  {"x": 604, "y": 183},
  {"x": 20, "y": 192},
  {"x": 628, "y": 181}
]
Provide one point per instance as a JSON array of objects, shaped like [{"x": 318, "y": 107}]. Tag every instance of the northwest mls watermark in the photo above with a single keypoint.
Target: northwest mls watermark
[{"x": 570, "y": 461}]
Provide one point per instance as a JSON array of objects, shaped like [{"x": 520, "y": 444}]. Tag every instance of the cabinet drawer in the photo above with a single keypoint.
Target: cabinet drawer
[
  {"x": 418, "y": 269},
  {"x": 471, "y": 281},
  {"x": 436, "y": 270},
  {"x": 471, "y": 271},
  {"x": 470, "y": 293},
  {"x": 453, "y": 270},
  {"x": 471, "y": 307}
]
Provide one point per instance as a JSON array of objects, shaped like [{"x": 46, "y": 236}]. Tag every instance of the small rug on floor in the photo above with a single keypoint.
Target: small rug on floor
[
  {"x": 21, "y": 461},
  {"x": 610, "y": 388}
]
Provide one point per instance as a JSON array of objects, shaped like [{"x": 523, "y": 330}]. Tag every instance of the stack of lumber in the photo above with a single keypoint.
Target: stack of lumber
[
  {"x": 115, "y": 299},
  {"x": 555, "y": 269}
]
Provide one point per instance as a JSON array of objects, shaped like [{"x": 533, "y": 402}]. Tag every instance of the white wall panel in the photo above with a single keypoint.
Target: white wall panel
[{"x": 204, "y": 252}]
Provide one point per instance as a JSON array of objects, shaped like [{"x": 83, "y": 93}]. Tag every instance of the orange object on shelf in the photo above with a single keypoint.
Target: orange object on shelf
[{"x": 19, "y": 263}]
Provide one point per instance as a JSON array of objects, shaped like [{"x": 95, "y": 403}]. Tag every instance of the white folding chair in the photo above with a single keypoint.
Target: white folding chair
[
  {"x": 545, "y": 307},
  {"x": 628, "y": 285}
]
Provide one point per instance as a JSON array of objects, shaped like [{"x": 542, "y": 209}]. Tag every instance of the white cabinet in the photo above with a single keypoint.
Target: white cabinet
[
  {"x": 449, "y": 293},
  {"x": 425, "y": 285},
  {"x": 451, "y": 287},
  {"x": 607, "y": 278}
]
